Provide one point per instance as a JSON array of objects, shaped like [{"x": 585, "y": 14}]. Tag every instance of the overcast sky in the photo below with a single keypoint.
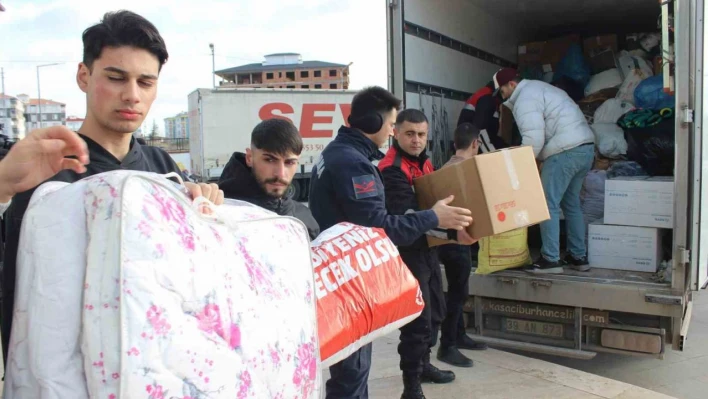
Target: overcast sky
[{"x": 34, "y": 32}]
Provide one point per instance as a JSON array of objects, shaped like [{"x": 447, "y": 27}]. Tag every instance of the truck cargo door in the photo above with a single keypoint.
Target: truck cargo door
[
  {"x": 698, "y": 60},
  {"x": 438, "y": 58},
  {"x": 690, "y": 235}
]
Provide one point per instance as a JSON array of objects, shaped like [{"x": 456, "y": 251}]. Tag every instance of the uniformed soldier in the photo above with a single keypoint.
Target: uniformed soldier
[
  {"x": 405, "y": 161},
  {"x": 347, "y": 187}
]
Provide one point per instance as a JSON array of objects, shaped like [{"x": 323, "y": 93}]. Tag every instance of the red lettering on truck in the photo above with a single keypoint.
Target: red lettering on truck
[
  {"x": 311, "y": 114},
  {"x": 266, "y": 111},
  {"x": 309, "y": 119}
]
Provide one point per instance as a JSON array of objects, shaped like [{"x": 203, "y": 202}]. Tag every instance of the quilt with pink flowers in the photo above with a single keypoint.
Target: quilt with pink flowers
[{"x": 176, "y": 303}]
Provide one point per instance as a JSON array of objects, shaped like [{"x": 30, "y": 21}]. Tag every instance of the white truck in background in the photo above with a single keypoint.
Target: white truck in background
[
  {"x": 221, "y": 121},
  {"x": 439, "y": 53}
]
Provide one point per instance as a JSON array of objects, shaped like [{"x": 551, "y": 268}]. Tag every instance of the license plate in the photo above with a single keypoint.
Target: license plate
[{"x": 534, "y": 328}]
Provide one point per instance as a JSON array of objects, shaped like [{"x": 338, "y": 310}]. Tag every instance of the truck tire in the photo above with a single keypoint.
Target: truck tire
[
  {"x": 294, "y": 190},
  {"x": 304, "y": 190}
]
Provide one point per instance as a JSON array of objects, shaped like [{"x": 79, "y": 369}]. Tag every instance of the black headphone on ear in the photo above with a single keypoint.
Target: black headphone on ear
[{"x": 369, "y": 123}]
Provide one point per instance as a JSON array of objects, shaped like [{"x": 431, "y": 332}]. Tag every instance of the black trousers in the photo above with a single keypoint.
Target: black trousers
[
  {"x": 458, "y": 265},
  {"x": 350, "y": 377},
  {"x": 418, "y": 336}
]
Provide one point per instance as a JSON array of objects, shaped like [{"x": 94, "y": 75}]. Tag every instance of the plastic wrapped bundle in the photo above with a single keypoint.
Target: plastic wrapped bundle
[{"x": 151, "y": 297}]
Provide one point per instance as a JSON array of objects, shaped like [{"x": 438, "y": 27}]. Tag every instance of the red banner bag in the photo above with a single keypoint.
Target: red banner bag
[{"x": 364, "y": 290}]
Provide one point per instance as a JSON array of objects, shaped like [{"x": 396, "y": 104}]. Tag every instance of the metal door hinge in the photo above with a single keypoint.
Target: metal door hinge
[
  {"x": 684, "y": 256},
  {"x": 393, "y": 3},
  {"x": 687, "y": 115}
]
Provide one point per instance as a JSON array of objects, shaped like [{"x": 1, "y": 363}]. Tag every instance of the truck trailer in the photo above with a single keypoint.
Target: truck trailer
[
  {"x": 221, "y": 121},
  {"x": 439, "y": 53}
]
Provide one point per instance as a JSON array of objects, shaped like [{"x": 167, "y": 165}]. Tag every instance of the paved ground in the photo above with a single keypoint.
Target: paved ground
[
  {"x": 680, "y": 374},
  {"x": 500, "y": 375}
]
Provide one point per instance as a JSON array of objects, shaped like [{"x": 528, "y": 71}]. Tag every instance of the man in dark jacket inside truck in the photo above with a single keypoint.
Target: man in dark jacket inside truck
[
  {"x": 405, "y": 161},
  {"x": 264, "y": 173},
  {"x": 482, "y": 110},
  {"x": 123, "y": 57},
  {"x": 347, "y": 187}
]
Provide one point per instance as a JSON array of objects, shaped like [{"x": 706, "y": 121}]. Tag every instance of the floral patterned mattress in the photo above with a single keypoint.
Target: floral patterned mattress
[{"x": 126, "y": 290}]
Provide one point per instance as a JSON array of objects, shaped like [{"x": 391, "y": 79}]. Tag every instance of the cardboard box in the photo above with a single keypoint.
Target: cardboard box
[
  {"x": 502, "y": 189},
  {"x": 597, "y": 44},
  {"x": 658, "y": 65},
  {"x": 555, "y": 49},
  {"x": 530, "y": 53},
  {"x": 546, "y": 54},
  {"x": 624, "y": 247},
  {"x": 640, "y": 201},
  {"x": 601, "y": 52}
]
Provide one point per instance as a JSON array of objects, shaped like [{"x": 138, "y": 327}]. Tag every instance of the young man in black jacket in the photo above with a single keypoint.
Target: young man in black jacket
[
  {"x": 123, "y": 56},
  {"x": 264, "y": 173}
]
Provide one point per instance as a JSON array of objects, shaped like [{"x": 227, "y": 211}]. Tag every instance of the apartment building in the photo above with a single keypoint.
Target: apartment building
[
  {"x": 43, "y": 114},
  {"x": 74, "y": 123},
  {"x": 12, "y": 117},
  {"x": 177, "y": 127},
  {"x": 287, "y": 71}
]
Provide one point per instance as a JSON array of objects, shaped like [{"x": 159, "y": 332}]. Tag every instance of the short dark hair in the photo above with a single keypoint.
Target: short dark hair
[
  {"x": 411, "y": 115},
  {"x": 373, "y": 99},
  {"x": 277, "y": 136},
  {"x": 123, "y": 28},
  {"x": 465, "y": 135}
]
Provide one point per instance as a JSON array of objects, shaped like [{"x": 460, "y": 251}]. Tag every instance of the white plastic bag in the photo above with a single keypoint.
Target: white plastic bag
[
  {"x": 603, "y": 80},
  {"x": 628, "y": 62},
  {"x": 612, "y": 110},
  {"x": 610, "y": 139},
  {"x": 626, "y": 91}
]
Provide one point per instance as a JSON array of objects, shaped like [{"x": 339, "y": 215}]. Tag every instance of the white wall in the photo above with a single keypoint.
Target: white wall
[
  {"x": 433, "y": 64},
  {"x": 184, "y": 159},
  {"x": 430, "y": 63},
  {"x": 467, "y": 23}
]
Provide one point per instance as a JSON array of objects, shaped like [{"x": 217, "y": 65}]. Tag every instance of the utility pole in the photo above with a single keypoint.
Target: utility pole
[
  {"x": 39, "y": 93},
  {"x": 213, "y": 66},
  {"x": 2, "y": 95}
]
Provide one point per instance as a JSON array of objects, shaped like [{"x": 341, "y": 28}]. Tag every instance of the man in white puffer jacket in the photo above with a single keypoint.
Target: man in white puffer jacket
[{"x": 551, "y": 122}]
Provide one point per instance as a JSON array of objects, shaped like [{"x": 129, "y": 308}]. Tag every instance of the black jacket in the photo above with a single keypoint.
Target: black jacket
[
  {"x": 347, "y": 187},
  {"x": 237, "y": 182},
  {"x": 139, "y": 158},
  {"x": 400, "y": 199},
  {"x": 485, "y": 117}
]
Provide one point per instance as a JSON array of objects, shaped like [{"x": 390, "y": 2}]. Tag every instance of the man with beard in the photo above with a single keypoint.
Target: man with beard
[
  {"x": 264, "y": 173},
  {"x": 122, "y": 59}
]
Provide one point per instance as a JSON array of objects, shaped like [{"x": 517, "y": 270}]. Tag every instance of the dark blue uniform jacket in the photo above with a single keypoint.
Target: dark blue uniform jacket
[{"x": 347, "y": 187}]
